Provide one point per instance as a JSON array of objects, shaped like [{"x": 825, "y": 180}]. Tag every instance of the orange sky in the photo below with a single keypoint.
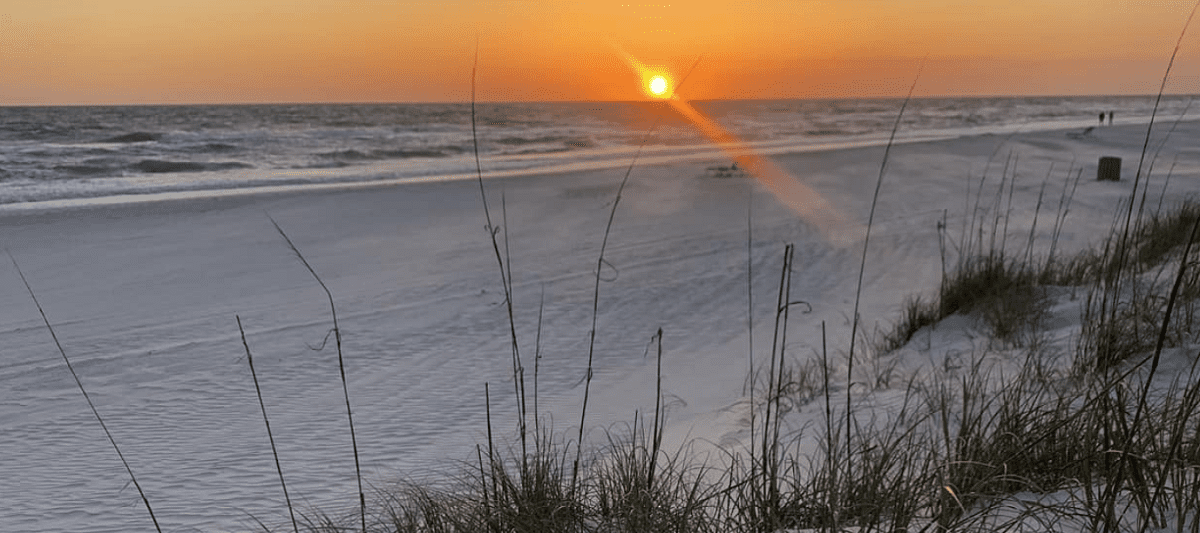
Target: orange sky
[{"x": 183, "y": 51}]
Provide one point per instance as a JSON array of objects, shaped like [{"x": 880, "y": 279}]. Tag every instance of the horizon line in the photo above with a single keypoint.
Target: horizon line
[{"x": 566, "y": 101}]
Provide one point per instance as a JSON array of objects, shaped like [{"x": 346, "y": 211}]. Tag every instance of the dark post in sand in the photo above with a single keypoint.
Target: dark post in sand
[{"x": 1109, "y": 169}]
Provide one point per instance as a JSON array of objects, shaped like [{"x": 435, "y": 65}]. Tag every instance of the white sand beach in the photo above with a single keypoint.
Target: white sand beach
[{"x": 143, "y": 297}]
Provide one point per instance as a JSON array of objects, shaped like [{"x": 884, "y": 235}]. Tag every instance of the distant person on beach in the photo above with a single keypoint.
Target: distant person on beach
[
  {"x": 1110, "y": 115},
  {"x": 1101, "y": 119}
]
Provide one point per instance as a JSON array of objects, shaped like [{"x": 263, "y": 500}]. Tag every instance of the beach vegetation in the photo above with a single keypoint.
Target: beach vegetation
[
  {"x": 982, "y": 447},
  {"x": 1007, "y": 439},
  {"x": 1106, "y": 443}
]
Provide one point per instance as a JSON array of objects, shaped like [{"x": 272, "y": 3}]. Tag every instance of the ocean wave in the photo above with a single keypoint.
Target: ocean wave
[
  {"x": 84, "y": 170},
  {"x": 579, "y": 143},
  {"x": 323, "y": 164},
  {"x": 35, "y": 131},
  {"x": 380, "y": 155},
  {"x": 346, "y": 155},
  {"x": 214, "y": 148},
  {"x": 91, "y": 167},
  {"x": 67, "y": 151},
  {"x": 158, "y": 166},
  {"x": 135, "y": 137},
  {"x": 518, "y": 141},
  {"x": 534, "y": 151}
]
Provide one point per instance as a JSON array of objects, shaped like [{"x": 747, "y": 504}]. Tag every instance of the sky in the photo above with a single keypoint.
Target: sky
[{"x": 253, "y": 51}]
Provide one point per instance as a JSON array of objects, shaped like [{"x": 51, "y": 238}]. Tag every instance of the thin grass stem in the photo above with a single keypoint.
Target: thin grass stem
[
  {"x": 862, "y": 267},
  {"x": 337, "y": 337},
  {"x": 79, "y": 383},
  {"x": 657, "y": 428},
  {"x": 270, "y": 436},
  {"x": 750, "y": 307},
  {"x": 503, "y": 263},
  {"x": 612, "y": 214}
]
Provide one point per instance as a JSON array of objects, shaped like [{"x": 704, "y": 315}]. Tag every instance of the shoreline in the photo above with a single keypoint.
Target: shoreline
[{"x": 687, "y": 157}]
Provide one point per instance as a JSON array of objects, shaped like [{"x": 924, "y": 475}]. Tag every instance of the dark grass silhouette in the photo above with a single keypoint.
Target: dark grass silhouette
[
  {"x": 83, "y": 391},
  {"x": 266, "y": 422},
  {"x": 337, "y": 337}
]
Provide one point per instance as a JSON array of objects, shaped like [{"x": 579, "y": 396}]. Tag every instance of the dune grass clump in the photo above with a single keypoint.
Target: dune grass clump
[
  {"x": 885, "y": 490},
  {"x": 999, "y": 436},
  {"x": 1152, "y": 299},
  {"x": 1158, "y": 235},
  {"x": 1002, "y": 288},
  {"x": 409, "y": 507},
  {"x": 622, "y": 489},
  {"x": 1007, "y": 295},
  {"x": 528, "y": 492},
  {"x": 633, "y": 490},
  {"x": 1025, "y": 436}
]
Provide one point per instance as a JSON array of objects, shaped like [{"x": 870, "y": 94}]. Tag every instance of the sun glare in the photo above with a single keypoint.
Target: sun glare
[
  {"x": 792, "y": 192},
  {"x": 658, "y": 86}
]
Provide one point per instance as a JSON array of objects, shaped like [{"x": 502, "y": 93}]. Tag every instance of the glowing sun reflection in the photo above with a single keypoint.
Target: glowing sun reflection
[{"x": 790, "y": 191}]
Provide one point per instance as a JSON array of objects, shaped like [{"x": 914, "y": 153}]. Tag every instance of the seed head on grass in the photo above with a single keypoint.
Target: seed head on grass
[{"x": 337, "y": 336}]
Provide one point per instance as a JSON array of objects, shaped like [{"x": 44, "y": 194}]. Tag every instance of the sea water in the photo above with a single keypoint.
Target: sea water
[{"x": 90, "y": 154}]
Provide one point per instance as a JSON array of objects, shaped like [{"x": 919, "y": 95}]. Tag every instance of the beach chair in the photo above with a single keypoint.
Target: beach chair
[
  {"x": 731, "y": 171},
  {"x": 1081, "y": 134}
]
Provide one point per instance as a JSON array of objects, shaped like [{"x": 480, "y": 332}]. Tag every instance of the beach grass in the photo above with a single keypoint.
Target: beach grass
[
  {"x": 1109, "y": 442},
  {"x": 1105, "y": 444},
  {"x": 972, "y": 449}
]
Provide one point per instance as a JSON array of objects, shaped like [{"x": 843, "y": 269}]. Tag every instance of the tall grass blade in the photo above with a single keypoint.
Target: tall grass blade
[
  {"x": 537, "y": 360},
  {"x": 337, "y": 337},
  {"x": 657, "y": 427},
  {"x": 266, "y": 422},
  {"x": 78, "y": 382},
  {"x": 518, "y": 367},
  {"x": 750, "y": 307},
  {"x": 501, "y": 261},
  {"x": 862, "y": 267},
  {"x": 1122, "y": 243},
  {"x": 612, "y": 214},
  {"x": 492, "y": 467}
]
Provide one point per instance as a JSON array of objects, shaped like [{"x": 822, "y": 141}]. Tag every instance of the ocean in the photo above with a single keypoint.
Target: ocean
[{"x": 62, "y": 156}]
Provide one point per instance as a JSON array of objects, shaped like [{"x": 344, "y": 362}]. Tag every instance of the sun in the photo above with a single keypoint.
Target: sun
[{"x": 658, "y": 86}]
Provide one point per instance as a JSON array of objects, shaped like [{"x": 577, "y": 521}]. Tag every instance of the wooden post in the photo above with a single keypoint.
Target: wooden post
[{"x": 1109, "y": 169}]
